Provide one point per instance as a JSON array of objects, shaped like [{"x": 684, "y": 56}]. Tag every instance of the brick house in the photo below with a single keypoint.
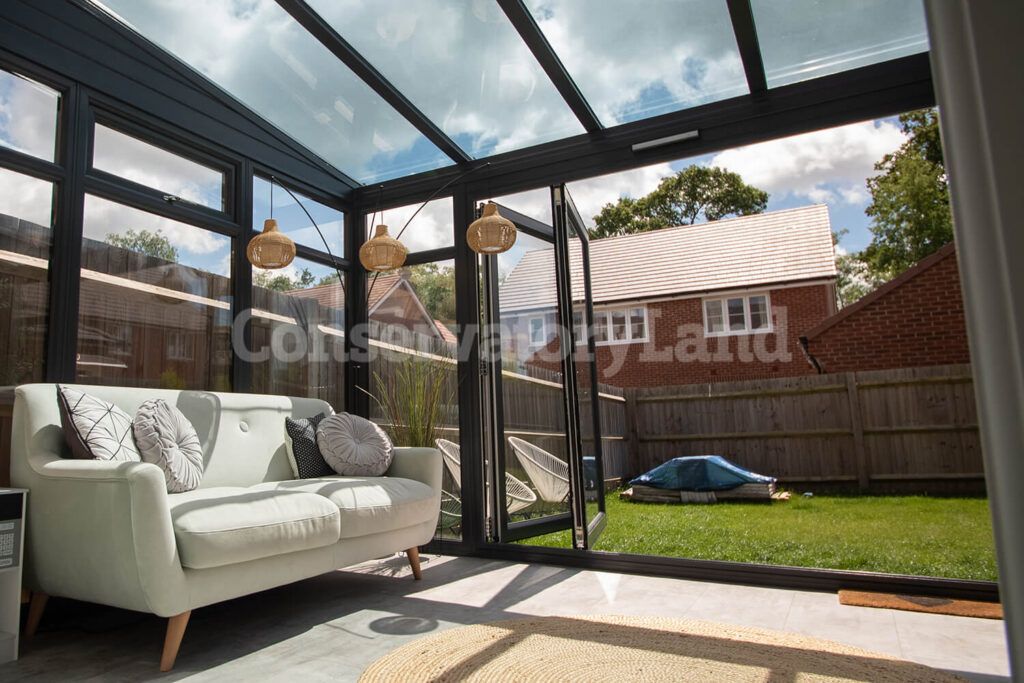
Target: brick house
[
  {"x": 719, "y": 301},
  {"x": 915, "y": 319}
]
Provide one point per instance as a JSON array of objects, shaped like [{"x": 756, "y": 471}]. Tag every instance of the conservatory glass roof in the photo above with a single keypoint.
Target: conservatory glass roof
[{"x": 429, "y": 83}]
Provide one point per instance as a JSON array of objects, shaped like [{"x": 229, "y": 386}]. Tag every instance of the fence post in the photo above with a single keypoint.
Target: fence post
[
  {"x": 857, "y": 427},
  {"x": 632, "y": 463}
]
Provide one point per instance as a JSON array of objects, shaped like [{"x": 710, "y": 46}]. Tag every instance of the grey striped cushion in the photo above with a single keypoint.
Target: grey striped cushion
[
  {"x": 167, "y": 439},
  {"x": 95, "y": 429}
]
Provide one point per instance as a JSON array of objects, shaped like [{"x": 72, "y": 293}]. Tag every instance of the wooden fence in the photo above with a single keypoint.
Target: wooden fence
[{"x": 901, "y": 430}]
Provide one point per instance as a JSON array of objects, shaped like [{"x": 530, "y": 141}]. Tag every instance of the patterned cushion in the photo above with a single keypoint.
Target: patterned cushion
[
  {"x": 303, "y": 453},
  {"x": 354, "y": 446},
  {"x": 167, "y": 439},
  {"x": 95, "y": 429}
]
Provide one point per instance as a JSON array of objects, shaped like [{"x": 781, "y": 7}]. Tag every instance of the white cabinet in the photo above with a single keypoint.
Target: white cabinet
[{"x": 12, "y": 539}]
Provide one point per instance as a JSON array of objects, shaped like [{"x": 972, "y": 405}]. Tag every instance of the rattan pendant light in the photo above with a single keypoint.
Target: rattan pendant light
[
  {"x": 382, "y": 252},
  {"x": 492, "y": 233},
  {"x": 271, "y": 249}
]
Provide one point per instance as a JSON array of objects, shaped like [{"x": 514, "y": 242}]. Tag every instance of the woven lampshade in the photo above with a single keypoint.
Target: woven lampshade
[
  {"x": 271, "y": 248},
  {"x": 382, "y": 252},
  {"x": 492, "y": 233}
]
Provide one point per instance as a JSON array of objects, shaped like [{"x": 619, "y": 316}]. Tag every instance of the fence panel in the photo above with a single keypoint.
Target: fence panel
[{"x": 889, "y": 430}]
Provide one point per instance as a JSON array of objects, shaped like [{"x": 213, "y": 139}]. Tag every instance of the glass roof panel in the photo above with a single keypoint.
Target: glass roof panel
[
  {"x": 460, "y": 62},
  {"x": 804, "y": 39},
  {"x": 649, "y": 58},
  {"x": 260, "y": 55}
]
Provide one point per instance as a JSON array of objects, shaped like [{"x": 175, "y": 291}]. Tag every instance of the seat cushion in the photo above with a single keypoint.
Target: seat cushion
[
  {"x": 226, "y": 525},
  {"x": 369, "y": 505}
]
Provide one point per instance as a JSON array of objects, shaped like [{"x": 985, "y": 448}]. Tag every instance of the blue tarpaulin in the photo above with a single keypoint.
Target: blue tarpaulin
[{"x": 700, "y": 473}]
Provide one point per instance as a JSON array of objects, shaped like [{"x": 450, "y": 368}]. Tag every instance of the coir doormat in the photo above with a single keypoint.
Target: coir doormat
[{"x": 921, "y": 603}]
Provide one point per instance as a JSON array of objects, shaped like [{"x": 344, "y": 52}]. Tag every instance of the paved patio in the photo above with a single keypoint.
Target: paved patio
[{"x": 333, "y": 626}]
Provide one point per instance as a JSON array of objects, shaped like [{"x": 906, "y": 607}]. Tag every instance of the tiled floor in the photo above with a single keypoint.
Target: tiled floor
[{"x": 333, "y": 626}]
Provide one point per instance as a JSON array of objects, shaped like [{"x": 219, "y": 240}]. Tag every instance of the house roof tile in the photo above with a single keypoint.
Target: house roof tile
[{"x": 769, "y": 248}]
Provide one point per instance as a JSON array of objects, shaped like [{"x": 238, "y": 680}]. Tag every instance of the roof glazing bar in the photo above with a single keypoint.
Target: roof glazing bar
[
  {"x": 531, "y": 34},
  {"x": 746, "y": 39},
  {"x": 340, "y": 48}
]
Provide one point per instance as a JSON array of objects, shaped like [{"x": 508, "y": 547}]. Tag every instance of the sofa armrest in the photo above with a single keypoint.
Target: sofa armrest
[
  {"x": 420, "y": 464},
  {"x": 101, "y": 531}
]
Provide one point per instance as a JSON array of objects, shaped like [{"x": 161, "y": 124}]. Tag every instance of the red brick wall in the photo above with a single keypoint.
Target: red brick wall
[
  {"x": 919, "y": 322},
  {"x": 679, "y": 353}
]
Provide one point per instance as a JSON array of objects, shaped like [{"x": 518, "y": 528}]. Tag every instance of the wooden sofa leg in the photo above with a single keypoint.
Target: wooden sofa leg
[
  {"x": 172, "y": 641},
  {"x": 35, "y": 612},
  {"x": 414, "y": 562}
]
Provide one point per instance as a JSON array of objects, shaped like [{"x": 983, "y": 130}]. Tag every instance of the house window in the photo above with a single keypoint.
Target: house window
[
  {"x": 616, "y": 326},
  {"x": 737, "y": 315},
  {"x": 537, "y": 332},
  {"x": 180, "y": 345}
]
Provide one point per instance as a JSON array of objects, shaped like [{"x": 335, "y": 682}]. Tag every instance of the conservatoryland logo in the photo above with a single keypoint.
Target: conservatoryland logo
[{"x": 295, "y": 341}]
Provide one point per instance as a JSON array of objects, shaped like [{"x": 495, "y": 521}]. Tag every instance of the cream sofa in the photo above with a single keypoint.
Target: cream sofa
[{"x": 108, "y": 532}]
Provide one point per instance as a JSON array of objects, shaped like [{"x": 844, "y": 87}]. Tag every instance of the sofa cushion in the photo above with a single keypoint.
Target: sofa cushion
[
  {"x": 369, "y": 505},
  {"x": 227, "y": 525},
  {"x": 353, "y": 446},
  {"x": 303, "y": 454},
  {"x": 94, "y": 428},
  {"x": 167, "y": 439}
]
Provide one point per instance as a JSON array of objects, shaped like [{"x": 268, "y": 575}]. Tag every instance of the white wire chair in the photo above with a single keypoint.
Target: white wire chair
[
  {"x": 450, "y": 518},
  {"x": 549, "y": 474},
  {"x": 518, "y": 496}
]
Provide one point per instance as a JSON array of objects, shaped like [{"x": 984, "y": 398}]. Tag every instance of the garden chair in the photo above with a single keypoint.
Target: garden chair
[
  {"x": 518, "y": 496},
  {"x": 549, "y": 474}
]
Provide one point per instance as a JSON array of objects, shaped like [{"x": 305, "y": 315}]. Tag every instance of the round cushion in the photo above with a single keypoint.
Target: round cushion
[
  {"x": 354, "y": 446},
  {"x": 167, "y": 439}
]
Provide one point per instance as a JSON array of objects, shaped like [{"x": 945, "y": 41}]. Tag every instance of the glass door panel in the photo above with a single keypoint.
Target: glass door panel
[
  {"x": 582, "y": 370},
  {"x": 528, "y": 437}
]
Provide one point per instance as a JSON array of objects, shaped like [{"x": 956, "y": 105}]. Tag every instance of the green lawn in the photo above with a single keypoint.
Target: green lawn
[{"x": 946, "y": 537}]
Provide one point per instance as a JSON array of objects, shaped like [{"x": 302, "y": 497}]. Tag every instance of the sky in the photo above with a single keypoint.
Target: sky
[{"x": 462, "y": 64}]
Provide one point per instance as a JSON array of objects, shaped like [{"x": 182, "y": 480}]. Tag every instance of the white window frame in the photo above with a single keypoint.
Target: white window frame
[
  {"x": 606, "y": 313},
  {"x": 723, "y": 302},
  {"x": 543, "y": 331}
]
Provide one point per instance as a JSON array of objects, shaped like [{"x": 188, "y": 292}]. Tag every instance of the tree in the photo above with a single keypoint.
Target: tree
[
  {"x": 682, "y": 199},
  {"x": 909, "y": 210},
  {"x": 282, "y": 282},
  {"x": 435, "y": 287},
  {"x": 153, "y": 244},
  {"x": 853, "y": 279}
]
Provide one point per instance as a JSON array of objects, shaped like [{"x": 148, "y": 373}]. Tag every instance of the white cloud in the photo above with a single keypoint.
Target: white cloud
[
  {"x": 828, "y": 166},
  {"x": 28, "y": 116},
  {"x": 27, "y": 198},
  {"x": 629, "y": 62},
  {"x": 104, "y": 217},
  {"x": 430, "y": 229}
]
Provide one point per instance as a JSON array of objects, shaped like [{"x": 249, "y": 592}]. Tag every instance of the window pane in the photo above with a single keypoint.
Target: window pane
[
  {"x": 713, "y": 317},
  {"x": 536, "y": 331},
  {"x": 579, "y": 329},
  {"x": 637, "y": 323},
  {"x": 260, "y": 55},
  {"x": 618, "y": 325},
  {"x": 143, "y": 163},
  {"x": 688, "y": 54},
  {"x": 758, "y": 313},
  {"x": 803, "y": 39},
  {"x": 26, "y": 208},
  {"x": 600, "y": 326},
  {"x": 292, "y": 220},
  {"x": 28, "y": 116},
  {"x": 737, "y": 319},
  {"x": 463, "y": 64},
  {"x": 155, "y": 307},
  {"x": 298, "y": 328},
  {"x": 431, "y": 228}
]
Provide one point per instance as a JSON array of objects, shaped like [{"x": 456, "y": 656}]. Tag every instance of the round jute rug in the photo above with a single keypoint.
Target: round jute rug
[{"x": 648, "y": 649}]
